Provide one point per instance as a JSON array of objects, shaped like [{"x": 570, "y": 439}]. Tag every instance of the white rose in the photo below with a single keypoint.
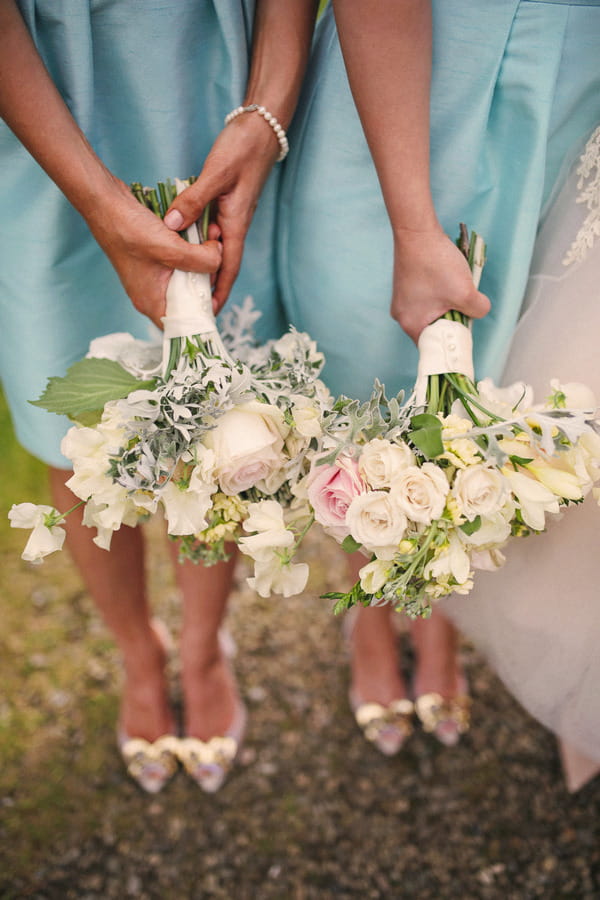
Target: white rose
[
  {"x": 381, "y": 462},
  {"x": 494, "y": 530},
  {"x": 479, "y": 491},
  {"x": 421, "y": 492},
  {"x": 307, "y": 416},
  {"x": 376, "y": 522},
  {"x": 248, "y": 442}
]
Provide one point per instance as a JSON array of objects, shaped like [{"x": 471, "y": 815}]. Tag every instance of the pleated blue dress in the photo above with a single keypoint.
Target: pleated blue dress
[
  {"x": 150, "y": 84},
  {"x": 515, "y": 86}
]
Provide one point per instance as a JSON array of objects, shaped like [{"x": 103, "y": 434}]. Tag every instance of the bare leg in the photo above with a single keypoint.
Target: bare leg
[
  {"x": 437, "y": 666},
  {"x": 116, "y": 582},
  {"x": 375, "y": 666},
  {"x": 209, "y": 688}
]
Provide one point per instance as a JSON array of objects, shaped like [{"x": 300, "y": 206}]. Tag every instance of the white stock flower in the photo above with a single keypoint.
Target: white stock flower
[
  {"x": 533, "y": 498},
  {"x": 44, "y": 539},
  {"x": 381, "y": 462},
  {"x": 479, "y": 490},
  {"x": 421, "y": 492},
  {"x": 374, "y": 575},
  {"x": 376, "y": 522},
  {"x": 562, "y": 483},
  {"x": 450, "y": 560},
  {"x": 248, "y": 442}
]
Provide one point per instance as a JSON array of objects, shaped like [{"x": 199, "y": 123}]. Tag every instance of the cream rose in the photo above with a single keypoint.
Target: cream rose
[
  {"x": 421, "y": 492},
  {"x": 381, "y": 462},
  {"x": 479, "y": 491},
  {"x": 248, "y": 445},
  {"x": 376, "y": 522}
]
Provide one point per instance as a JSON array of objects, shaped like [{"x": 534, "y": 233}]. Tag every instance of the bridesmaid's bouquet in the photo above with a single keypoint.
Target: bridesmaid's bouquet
[
  {"x": 434, "y": 488},
  {"x": 207, "y": 428}
]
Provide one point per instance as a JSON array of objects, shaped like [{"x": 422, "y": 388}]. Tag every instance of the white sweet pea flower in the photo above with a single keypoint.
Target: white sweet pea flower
[
  {"x": 186, "y": 506},
  {"x": 376, "y": 522},
  {"x": 506, "y": 402},
  {"x": 494, "y": 530},
  {"x": 487, "y": 560},
  {"x": 273, "y": 575},
  {"x": 533, "y": 498},
  {"x": 266, "y": 519},
  {"x": 140, "y": 358},
  {"x": 46, "y": 535},
  {"x": 421, "y": 492},
  {"x": 479, "y": 490},
  {"x": 381, "y": 461},
  {"x": 574, "y": 395}
]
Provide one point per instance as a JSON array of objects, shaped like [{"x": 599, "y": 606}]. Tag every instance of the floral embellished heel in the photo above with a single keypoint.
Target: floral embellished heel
[
  {"x": 209, "y": 762},
  {"x": 386, "y": 726},
  {"x": 150, "y": 763},
  {"x": 446, "y": 718}
]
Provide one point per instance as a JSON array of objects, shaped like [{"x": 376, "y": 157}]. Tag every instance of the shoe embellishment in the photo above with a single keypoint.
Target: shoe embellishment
[
  {"x": 208, "y": 762},
  {"x": 150, "y": 764},
  {"x": 386, "y": 726},
  {"x": 446, "y": 718}
]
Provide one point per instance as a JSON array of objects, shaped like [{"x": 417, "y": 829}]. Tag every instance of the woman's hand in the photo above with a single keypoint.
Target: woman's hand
[
  {"x": 431, "y": 276},
  {"x": 143, "y": 251},
  {"x": 231, "y": 179}
]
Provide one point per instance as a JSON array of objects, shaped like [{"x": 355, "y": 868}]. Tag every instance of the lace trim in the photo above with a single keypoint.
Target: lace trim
[{"x": 588, "y": 171}]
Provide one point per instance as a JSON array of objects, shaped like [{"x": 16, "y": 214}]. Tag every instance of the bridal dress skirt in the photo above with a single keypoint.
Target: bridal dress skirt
[
  {"x": 538, "y": 618},
  {"x": 150, "y": 84},
  {"x": 515, "y": 86}
]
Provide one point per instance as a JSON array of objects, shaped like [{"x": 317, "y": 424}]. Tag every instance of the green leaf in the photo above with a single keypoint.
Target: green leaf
[
  {"x": 471, "y": 527},
  {"x": 87, "y": 386},
  {"x": 520, "y": 460},
  {"x": 426, "y": 434},
  {"x": 349, "y": 545}
]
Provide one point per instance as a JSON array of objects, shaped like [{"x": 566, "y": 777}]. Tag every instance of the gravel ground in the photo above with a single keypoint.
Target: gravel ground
[{"x": 311, "y": 811}]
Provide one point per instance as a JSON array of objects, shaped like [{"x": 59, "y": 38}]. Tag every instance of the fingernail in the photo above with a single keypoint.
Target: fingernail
[{"x": 173, "y": 219}]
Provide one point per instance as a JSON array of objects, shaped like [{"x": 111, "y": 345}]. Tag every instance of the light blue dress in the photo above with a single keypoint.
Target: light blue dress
[
  {"x": 150, "y": 83},
  {"x": 515, "y": 86}
]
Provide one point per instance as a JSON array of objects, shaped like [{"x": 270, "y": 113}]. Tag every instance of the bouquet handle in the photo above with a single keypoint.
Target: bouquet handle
[
  {"x": 189, "y": 311},
  {"x": 445, "y": 347}
]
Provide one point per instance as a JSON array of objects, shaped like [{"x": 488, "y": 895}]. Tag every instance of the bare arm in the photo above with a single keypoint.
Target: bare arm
[
  {"x": 245, "y": 151},
  {"x": 143, "y": 251},
  {"x": 387, "y": 51}
]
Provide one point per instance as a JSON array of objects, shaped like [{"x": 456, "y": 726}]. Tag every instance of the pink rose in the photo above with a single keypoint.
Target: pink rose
[{"x": 331, "y": 491}]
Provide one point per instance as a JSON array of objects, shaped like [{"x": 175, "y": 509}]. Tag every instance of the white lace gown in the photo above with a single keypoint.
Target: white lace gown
[{"x": 537, "y": 620}]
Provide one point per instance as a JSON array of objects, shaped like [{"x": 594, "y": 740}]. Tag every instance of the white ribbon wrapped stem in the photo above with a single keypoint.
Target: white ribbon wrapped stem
[
  {"x": 444, "y": 346},
  {"x": 189, "y": 300}
]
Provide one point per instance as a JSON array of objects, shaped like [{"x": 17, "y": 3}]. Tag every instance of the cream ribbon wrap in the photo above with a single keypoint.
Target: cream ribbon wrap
[
  {"x": 444, "y": 346},
  {"x": 189, "y": 308},
  {"x": 189, "y": 300}
]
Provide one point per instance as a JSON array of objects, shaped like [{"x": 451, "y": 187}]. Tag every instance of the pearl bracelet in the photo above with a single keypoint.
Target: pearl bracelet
[{"x": 269, "y": 119}]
